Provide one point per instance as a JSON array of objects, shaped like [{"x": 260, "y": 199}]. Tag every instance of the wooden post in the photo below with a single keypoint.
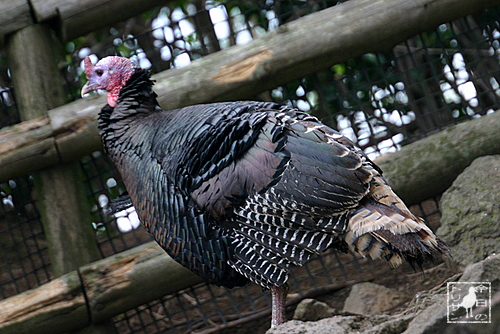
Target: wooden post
[{"x": 61, "y": 196}]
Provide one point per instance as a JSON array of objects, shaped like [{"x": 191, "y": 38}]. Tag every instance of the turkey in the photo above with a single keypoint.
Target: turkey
[{"x": 245, "y": 191}]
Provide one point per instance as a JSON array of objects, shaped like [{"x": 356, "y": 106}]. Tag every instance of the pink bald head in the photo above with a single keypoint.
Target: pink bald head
[{"x": 110, "y": 74}]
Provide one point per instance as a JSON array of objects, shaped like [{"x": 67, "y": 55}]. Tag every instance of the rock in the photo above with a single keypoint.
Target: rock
[
  {"x": 370, "y": 298},
  {"x": 433, "y": 319},
  {"x": 430, "y": 320},
  {"x": 487, "y": 270},
  {"x": 330, "y": 325},
  {"x": 346, "y": 324},
  {"x": 471, "y": 212},
  {"x": 394, "y": 325},
  {"x": 312, "y": 310},
  {"x": 429, "y": 316}
]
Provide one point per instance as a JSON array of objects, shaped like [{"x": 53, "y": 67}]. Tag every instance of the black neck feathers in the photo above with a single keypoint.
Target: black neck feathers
[
  {"x": 136, "y": 100},
  {"x": 138, "y": 86}
]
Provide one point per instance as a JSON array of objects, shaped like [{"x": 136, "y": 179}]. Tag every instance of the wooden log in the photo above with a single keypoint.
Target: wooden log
[
  {"x": 428, "y": 167},
  {"x": 80, "y": 17},
  {"x": 63, "y": 135},
  {"x": 75, "y": 129},
  {"x": 57, "y": 305},
  {"x": 75, "y": 18},
  {"x": 112, "y": 286},
  {"x": 241, "y": 72},
  {"x": 28, "y": 146},
  {"x": 304, "y": 46},
  {"x": 14, "y": 15},
  {"x": 32, "y": 59},
  {"x": 72, "y": 18},
  {"x": 132, "y": 278},
  {"x": 61, "y": 193}
]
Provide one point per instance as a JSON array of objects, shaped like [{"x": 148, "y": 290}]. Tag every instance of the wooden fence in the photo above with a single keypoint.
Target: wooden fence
[{"x": 52, "y": 136}]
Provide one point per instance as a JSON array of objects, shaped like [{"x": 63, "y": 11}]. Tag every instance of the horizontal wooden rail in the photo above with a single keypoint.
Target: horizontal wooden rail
[
  {"x": 74, "y": 18},
  {"x": 97, "y": 292},
  {"x": 240, "y": 72},
  {"x": 70, "y": 18},
  {"x": 427, "y": 167}
]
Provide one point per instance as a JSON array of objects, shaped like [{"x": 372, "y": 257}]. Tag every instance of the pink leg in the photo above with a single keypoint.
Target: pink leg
[{"x": 278, "y": 297}]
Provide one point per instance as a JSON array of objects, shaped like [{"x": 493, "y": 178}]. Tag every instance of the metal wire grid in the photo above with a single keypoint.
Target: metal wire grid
[
  {"x": 104, "y": 184},
  {"x": 180, "y": 35},
  {"x": 439, "y": 98},
  {"x": 416, "y": 89},
  {"x": 24, "y": 259},
  {"x": 24, "y": 262}
]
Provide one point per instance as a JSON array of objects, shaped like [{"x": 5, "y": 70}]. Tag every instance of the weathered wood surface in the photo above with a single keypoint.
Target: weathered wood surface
[
  {"x": 112, "y": 286},
  {"x": 75, "y": 18},
  {"x": 428, "y": 167},
  {"x": 32, "y": 58},
  {"x": 63, "y": 135},
  {"x": 241, "y": 72},
  {"x": 131, "y": 279},
  {"x": 72, "y": 18},
  {"x": 80, "y": 17},
  {"x": 59, "y": 304},
  {"x": 27, "y": 147},
  {"x": 14, "y": 15}
]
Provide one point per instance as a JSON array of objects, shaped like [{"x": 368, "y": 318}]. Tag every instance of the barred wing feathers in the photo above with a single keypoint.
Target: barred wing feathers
[
  {"x": 297, "y": 187},
  {"x": 282, "y": 182}
]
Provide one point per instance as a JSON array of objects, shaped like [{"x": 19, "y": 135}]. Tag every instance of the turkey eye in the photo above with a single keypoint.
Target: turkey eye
[{"x": 99, "y": 72}]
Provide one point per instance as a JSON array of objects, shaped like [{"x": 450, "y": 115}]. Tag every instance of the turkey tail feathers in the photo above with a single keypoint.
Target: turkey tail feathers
[{"x": 378, "y": 230}]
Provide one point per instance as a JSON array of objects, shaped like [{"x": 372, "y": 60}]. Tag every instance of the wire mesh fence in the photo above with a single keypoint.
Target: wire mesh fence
[{"x": 380, "y": 100}]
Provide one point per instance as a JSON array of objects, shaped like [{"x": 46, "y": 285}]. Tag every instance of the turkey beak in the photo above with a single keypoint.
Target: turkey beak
[{"x": 89, "y": 87}]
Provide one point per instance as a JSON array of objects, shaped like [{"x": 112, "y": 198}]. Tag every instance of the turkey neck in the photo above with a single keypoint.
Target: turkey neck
[
  {"x": 128, "y": 132},
  {"x": 136, "y": 101}
]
